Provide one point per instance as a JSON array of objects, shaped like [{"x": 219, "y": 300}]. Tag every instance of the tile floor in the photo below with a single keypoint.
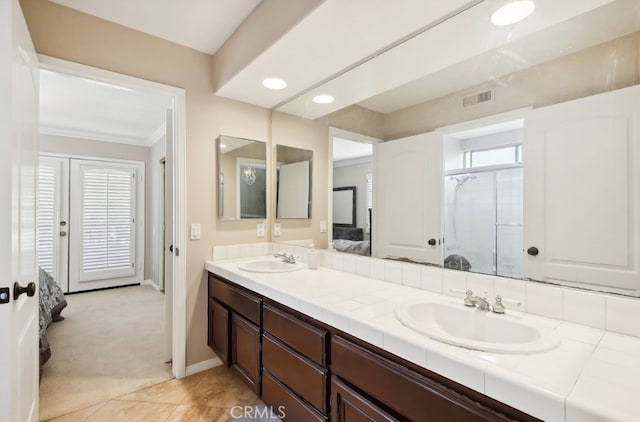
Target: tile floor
[{"x": 208, "y": 396}]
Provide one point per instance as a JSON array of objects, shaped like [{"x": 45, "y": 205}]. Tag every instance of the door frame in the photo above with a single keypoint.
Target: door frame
[{"x": 179, "y": 186}]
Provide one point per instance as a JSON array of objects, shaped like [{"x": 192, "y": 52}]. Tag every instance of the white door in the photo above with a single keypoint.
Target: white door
[
  {"x": 293, "y": 190},
  {"x": 53, "y": 218},
  {"x": 168, "y": 239},
  {"x": 581, "y": 210},
  {"x": 19, "y": 360},
  {"x": 408, "y": 199},
  {"x": 104, "y": 224}
]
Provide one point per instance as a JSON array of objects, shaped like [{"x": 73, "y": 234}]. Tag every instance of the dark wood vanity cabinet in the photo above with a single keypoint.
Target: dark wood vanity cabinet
[
  {"x": 319, "y": 373},
  {"x": 294, "y": 359},
  {"x": 234, "y": 327}
]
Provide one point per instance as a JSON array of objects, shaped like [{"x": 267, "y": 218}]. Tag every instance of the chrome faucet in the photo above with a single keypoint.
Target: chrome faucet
[
  {"x": 289, "y": 259},
  {"x": 476, "y": 301}
]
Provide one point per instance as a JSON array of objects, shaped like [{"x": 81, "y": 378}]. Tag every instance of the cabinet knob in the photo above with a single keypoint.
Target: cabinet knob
[
  {"x": 533, "y": 251},
  {"x": 431, "y": 242}
]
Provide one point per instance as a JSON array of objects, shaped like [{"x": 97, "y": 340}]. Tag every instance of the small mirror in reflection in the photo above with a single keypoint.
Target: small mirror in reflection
[{"x": 242, "y": 179}]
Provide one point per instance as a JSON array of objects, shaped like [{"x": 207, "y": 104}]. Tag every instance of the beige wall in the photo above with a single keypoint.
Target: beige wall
[
  {"x": 64, "y": 33},
  {"x": 605, "y": 67}
]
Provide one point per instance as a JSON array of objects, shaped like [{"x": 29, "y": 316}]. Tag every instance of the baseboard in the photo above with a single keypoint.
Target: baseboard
[
  {"x": 203, "y": 366},
  {"x": 150, "y": 283}
]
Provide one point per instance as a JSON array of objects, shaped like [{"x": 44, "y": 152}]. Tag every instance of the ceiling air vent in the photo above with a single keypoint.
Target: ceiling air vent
[{"x": 481, "y": 97}]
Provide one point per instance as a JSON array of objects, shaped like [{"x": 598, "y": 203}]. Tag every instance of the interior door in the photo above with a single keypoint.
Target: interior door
[
  {"x": 19, "y": 360},
  {"x": 293, "y": 190},
  {"x": 409, "y": 189},
  {"x": 584, "y": 225},
  {"x": 168, "y": 239}
]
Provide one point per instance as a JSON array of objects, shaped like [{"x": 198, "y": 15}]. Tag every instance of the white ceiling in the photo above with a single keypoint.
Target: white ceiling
[
  {"x": 203, "y": 25},
  {"x": 344, "y": 149},
  {"x": 79, "y": 108}
]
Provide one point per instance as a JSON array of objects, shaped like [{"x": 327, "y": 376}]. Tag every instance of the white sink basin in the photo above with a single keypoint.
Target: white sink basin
[
  {"x": 269, "y": 266},
  {"x": 475, "y": 329}
]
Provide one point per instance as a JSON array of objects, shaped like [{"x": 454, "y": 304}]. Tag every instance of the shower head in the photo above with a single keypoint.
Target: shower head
[{"x": 461, "y": 179}]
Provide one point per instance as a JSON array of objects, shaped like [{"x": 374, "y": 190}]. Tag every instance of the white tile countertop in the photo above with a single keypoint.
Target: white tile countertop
[{"x": 593, "y": 375}]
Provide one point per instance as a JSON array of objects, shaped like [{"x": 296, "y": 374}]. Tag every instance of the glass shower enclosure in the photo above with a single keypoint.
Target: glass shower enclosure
[{"x": 483, "y": 221}]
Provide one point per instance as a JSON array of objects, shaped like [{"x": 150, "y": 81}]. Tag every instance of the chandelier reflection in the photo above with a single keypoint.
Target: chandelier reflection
[{"x": 249, "y": 175}]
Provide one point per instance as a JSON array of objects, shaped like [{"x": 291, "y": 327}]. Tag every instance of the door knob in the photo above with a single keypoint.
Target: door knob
[
  {"x": 30, "y": 290},
  {"x": 533, "y": 251},
  {"x": 431, "y": 242},
  {"x": 171, "y": 248}
]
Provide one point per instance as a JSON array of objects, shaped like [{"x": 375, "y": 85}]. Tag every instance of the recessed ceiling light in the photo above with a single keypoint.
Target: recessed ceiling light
[
  {"x": 512, "y": 12},
  {"x": 274, "y": 83},
  {"x": 323, "y": 99}
]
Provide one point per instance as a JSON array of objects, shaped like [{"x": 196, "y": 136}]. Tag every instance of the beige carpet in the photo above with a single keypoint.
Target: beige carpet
[{"x": 110, "y": 343}]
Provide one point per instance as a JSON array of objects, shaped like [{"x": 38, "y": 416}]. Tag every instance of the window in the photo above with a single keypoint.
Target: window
[{"x": 493, "y": 157}]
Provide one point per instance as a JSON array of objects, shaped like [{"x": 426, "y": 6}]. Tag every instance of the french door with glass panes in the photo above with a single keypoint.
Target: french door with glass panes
[{"x": 89, "y": 222}]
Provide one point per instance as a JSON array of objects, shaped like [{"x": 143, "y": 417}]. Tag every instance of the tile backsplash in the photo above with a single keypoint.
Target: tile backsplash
[{"x": 599, "y": 310}]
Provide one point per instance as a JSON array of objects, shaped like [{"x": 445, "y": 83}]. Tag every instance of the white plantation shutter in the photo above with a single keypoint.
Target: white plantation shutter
[
  {"x": 106, "y": 211},
  {"x": 369, "y": 199},
  {"x": 46, "y": 218}
]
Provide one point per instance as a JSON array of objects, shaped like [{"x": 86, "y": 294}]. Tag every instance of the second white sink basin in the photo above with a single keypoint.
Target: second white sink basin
[
  {"x": 475, "y": 329},
  {"x": 269, "y": 266}
]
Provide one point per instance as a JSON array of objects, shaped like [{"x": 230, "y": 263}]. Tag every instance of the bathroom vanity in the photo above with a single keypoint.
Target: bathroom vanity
[{"x": 319, "y": 372}]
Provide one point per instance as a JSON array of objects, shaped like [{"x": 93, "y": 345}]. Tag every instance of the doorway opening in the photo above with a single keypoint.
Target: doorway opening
[
  {"x": 483, "y": 199},
  {"x": 119, "y": 154},
  {"x": 352, "y": 199}
]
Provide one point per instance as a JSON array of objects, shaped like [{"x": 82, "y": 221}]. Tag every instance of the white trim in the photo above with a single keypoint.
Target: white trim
[
  {"x": 151, "y": 283},
  {"x": 203, "y": 366},
  {"x": 179, "y": 316},
  {"x": 94, "y": 136},
  {"x": 516, "y": 114}
]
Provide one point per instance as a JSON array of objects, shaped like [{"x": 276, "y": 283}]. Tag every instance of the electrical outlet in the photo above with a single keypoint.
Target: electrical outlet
[
  {"x": 195, "y": 231},
  {"x": 260, "y": 230},
  {"x": 323, "y": 226},
  {"x": 277, "y": 229}
]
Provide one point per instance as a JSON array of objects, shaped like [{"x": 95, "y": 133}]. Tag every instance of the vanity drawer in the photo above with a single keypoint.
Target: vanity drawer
[
  {"x": 300, "y": 375},
  {"x": 275, "y": 394},
  {"x": 300, "y": 336},
  {"x": 240, "y": 301},
  {"x": 410, "y": 394}
]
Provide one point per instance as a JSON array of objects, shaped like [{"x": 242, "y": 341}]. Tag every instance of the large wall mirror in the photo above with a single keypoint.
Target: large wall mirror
[
  {"x": 508, "y": 150},
  {"x": 293, "y": 182},
  {"x": 242, "y": 181}
]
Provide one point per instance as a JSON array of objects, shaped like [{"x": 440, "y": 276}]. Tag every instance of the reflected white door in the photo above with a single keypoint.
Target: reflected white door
[
  {"x": 19, "y": 360},
  {"x": 168, "y": 240},
  {"x": 409, "y": 191},
  {"x": 293, "y": 190},
  {"x": 581, "y": 211}
]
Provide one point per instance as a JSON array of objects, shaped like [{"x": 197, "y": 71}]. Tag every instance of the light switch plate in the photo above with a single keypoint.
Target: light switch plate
[
  {"x": 260, "y": 230},
  {"x": 323, "y": 226},
  {"x": 277, "y": 229},
  {"x": 195, "y": 231}
]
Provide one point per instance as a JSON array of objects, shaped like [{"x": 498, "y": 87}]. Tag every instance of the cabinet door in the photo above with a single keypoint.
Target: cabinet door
[
  {"x": 409, "y": 192},
  {"x": 349, "y": 406},
  {"x": 581, "y": 209},
  {"x": 245, "y": 350},
  {"x": 218, "y": 338}
]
